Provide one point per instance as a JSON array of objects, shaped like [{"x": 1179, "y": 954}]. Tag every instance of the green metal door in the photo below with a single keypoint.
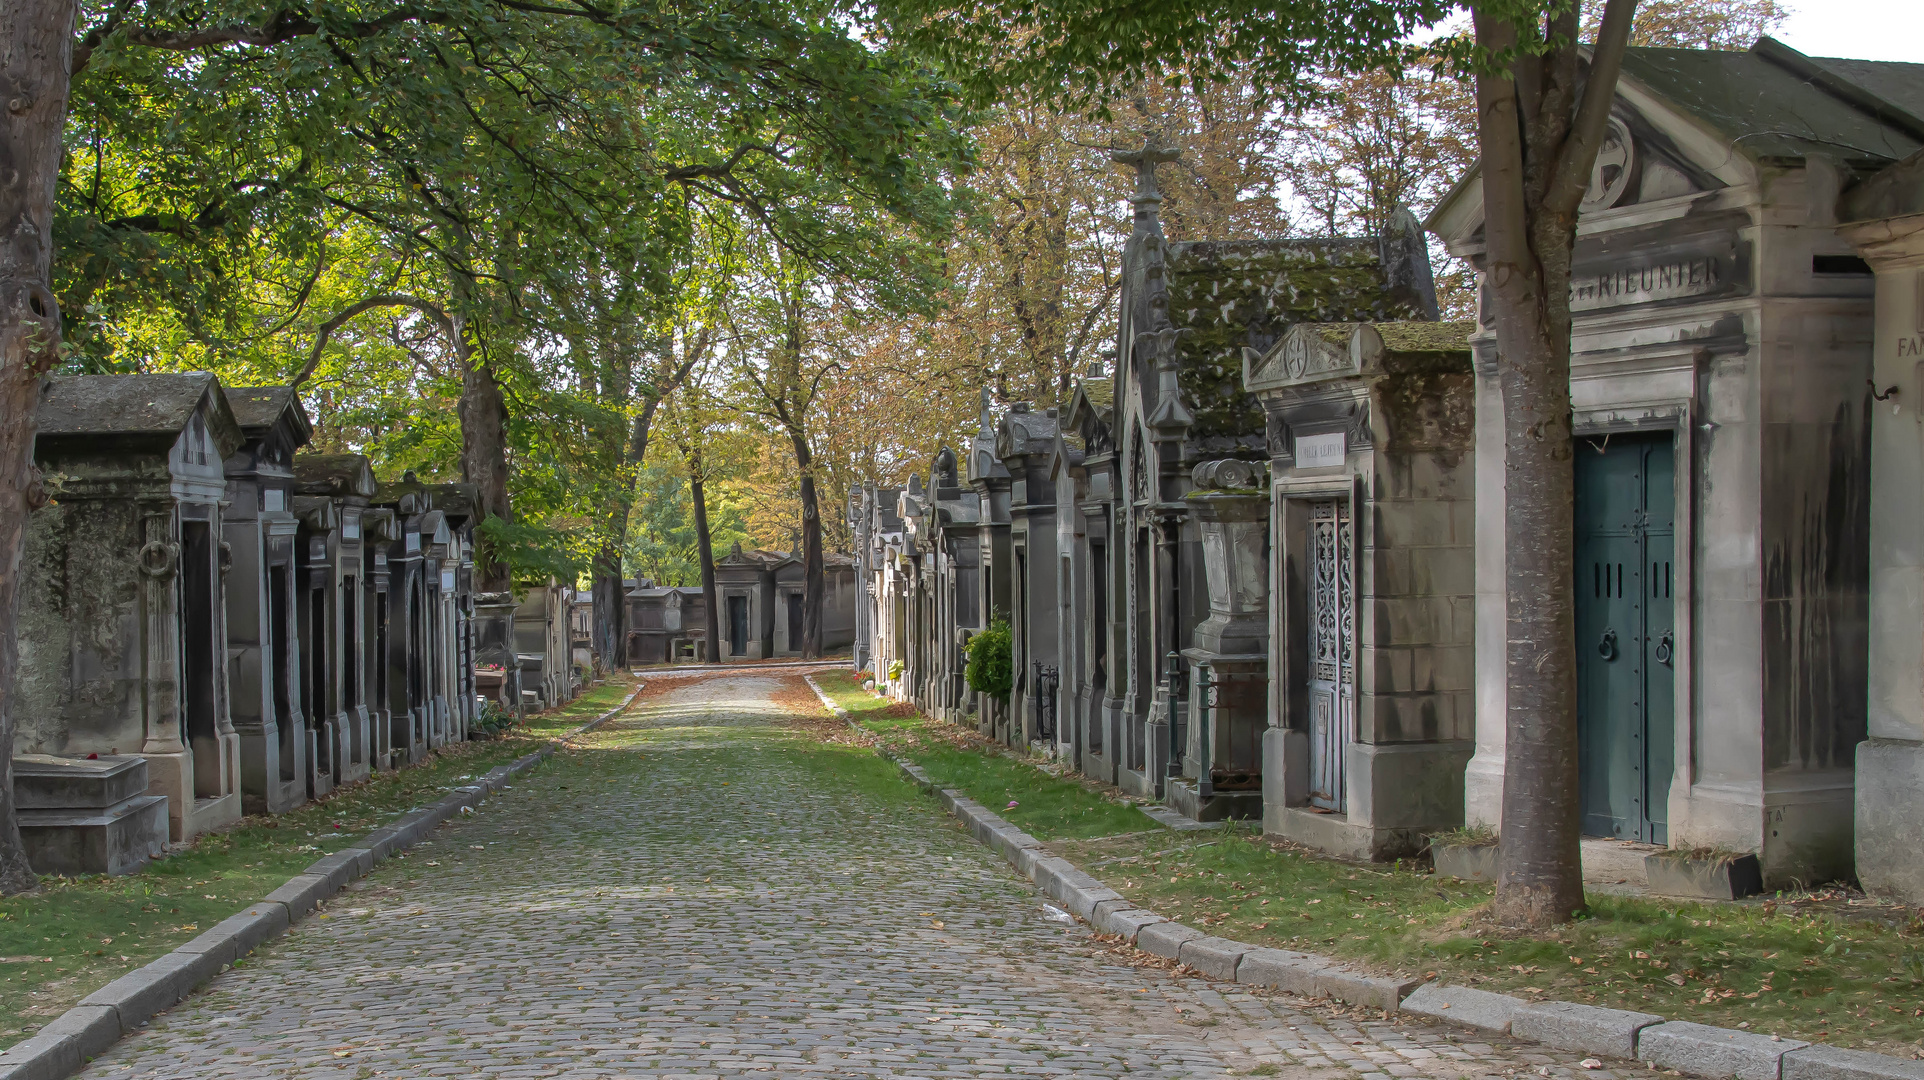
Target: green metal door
[{"x": 1625, "y": 571}]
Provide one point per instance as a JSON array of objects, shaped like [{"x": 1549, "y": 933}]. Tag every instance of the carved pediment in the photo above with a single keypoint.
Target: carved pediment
[
  {"x": 1307, "y": 352},
  {"x": 1637, "y": 165},
  {"x": 317, "y": 512}
]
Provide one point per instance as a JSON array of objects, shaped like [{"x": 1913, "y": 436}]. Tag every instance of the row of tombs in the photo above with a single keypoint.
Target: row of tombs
[
  {"x": 759, "y": 602},
  {"x": 1255, "y": 565},
  {"x": 212, "y": 624}
]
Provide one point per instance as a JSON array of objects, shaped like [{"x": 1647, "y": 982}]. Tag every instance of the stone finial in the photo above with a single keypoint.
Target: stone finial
[
  {"x": 1405, "y": 254},
  {"x": 987, "y": 429},
  {"x": 1154, "y": 152},
  {"x": 1228, "y": 474}
]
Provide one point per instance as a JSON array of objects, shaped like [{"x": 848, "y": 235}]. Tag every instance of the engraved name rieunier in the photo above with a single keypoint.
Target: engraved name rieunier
[{"x": 1640, "y": 284}]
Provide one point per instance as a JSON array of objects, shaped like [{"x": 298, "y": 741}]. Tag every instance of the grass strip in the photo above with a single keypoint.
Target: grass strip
[
  {"x": 1806, "y": 965},
  {"x": 1825, "y": 965},
  {"x": 76, "y": 935},
  {"x": 1046, "y": 805}
]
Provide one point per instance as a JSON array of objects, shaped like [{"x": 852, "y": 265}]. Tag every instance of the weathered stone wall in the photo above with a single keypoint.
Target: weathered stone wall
[{"x": 80, "y": 630}]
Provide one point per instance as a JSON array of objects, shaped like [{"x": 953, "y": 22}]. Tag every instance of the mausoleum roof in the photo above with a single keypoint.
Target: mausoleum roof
[
  {"x": 1774, "y": 102},
  {"x": 124, "y": 404},
  {"x": 334, "y": 474},
  {"x": 137, "y": 405},
  {"x": 258, "y": 408}
]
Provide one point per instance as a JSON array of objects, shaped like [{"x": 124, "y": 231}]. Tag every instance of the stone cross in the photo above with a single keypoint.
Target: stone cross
[{"x": 1153, "y": 153}]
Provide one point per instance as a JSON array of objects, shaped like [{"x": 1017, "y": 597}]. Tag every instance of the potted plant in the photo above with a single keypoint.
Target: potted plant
[
  {"x": 1467, "y": 852},
  {"x": 1707, "y": 873}
]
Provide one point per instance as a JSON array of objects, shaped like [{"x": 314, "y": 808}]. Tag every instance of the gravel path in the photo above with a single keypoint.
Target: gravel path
[{"x": 699, "y": 891}]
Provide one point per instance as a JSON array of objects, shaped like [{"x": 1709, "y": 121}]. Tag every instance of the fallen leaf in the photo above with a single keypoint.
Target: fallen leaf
[{"x": 1591, "y": 1063}]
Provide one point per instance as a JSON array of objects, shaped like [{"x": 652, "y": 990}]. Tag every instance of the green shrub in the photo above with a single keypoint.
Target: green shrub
[
  {"x": 991, "y": 667},
  {"x": 895, "y": 670}
]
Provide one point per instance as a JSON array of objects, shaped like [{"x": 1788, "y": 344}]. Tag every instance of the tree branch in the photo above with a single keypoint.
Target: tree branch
[
  {"x": 426, "y": 307},
  {"x": 1579, "y": 156}
]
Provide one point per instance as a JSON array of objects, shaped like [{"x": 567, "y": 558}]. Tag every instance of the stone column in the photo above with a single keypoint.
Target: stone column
[
  {"x": 1232, "y": 508},
  {"x": 1889, "y": 814}
]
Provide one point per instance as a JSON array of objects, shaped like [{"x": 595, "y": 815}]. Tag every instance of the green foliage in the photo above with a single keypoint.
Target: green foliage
[
  {"x": 1084, "y": 53},
  {"x": 493, "y": 719},
  {"x": 661, "y": 532},
  {"x": 991, "y": 665},
  {"x": 534, "y": 552},
  {"x": 567, "y": 182},
  {"x": 895, "y": 670}
]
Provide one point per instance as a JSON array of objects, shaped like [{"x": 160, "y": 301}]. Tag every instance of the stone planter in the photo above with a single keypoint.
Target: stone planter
[
  {"x": 1727, "y": 877},
  {"x": 1470, "y": 862}
]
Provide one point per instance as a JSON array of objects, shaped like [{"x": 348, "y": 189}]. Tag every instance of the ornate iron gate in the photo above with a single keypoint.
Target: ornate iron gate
[
  {"x": 1045, "y": 701},
  {"x": 1332, "y": 650}
]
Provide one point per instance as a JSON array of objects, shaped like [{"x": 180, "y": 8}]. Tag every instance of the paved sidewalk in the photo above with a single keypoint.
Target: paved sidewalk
[{"x": 696, "y": 891}]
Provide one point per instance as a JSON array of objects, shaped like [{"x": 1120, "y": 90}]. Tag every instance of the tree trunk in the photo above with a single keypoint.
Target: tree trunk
[
  {"x": 812, "y": 583},
  {"x": 36, "y": 50},
  {"x": 1538, "y": 135},
  {"x": 484, "y": 454},
  {"x": 705, "y": 548},
  {"x": 610, "y": 598}
]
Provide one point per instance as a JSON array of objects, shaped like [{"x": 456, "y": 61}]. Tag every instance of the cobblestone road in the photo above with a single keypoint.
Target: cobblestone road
[{"x": 697, "y": 891}]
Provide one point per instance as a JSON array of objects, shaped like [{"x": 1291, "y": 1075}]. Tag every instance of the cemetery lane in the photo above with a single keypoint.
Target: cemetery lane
[{"x": 701, "y": 890}]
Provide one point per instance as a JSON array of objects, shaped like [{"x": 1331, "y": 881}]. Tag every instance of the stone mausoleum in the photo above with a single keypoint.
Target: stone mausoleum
[
  {"x": 122, "y": 625},
  {"x": 1748, "y": 336},
  {"x": 213, "y": 623}
]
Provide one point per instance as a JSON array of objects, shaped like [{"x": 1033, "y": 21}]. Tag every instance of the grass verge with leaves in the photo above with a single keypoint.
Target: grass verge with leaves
[
  {"x": 1823, "y": 966},
  {"x": 77, "y": 934},
  {"x": 1048, "y": 806}
]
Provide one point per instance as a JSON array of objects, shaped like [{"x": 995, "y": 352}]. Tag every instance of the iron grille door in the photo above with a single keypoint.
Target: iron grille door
[{"x": 1332, "y": 651}]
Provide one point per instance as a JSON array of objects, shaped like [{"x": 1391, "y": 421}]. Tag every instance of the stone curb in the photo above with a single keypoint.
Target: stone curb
[
  {"x": 1693, "y": 1049},
  {"x": 1463, "y": 1005},
  {"x": 1713, "y": 1051},
  {"x": 68, "y": 1042}
]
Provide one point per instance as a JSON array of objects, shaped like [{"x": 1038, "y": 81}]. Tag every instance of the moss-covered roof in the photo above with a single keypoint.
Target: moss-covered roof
[
  {"x": 122, "y": 404},
  {"x": 333, "y": 474},
  {"x": 1101, "y": 393},
  {"x": 1232, "y": 295},
  {"x": 1427, "y": 336}
]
